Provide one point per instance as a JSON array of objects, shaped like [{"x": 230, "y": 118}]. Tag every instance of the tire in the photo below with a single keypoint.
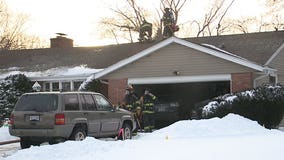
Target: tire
[
  {"x": 127, "y": 131},
  {"x": 78, "y": 134},
  {"x": 25, "y": 143}
]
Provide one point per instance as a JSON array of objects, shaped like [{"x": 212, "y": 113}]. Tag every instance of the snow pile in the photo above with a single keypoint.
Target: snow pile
[
  {"x": 231, "y": 125},
  {"x": 232, "y": 137},
  {"x": 58, "y": 71},
  {"x": 5, "y": 135}
]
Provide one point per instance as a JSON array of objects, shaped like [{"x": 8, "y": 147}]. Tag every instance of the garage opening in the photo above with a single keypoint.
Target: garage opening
[{"x": 176, "y": 101}]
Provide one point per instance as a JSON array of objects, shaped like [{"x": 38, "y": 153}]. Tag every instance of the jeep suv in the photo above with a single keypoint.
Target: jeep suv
[{"x": 58, "y": 116}]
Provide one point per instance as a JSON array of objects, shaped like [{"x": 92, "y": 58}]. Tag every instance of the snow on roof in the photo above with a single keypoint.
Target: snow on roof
[{"x": 53, "y": 72}]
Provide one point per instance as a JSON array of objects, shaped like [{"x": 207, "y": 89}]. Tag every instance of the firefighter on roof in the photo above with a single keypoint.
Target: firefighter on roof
[
  {"x": 168, "y": 20},
  {"x": 145, "y": 31}
]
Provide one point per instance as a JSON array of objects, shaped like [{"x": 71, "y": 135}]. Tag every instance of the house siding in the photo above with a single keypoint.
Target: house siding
[
  {"x": 175, "y": 57},
  {"x": 278, "y": 64},
  {"x": 280, "y": 79}
]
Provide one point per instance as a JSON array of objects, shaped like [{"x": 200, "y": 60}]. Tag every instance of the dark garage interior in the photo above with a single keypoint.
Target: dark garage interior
[{"x": 186, "y": 95}]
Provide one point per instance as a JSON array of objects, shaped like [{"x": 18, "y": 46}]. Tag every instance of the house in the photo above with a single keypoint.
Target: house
[{"x": 189, "y": 70}]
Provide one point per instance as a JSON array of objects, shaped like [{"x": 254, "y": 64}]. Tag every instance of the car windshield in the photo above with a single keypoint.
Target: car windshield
[{"x": 37, "y": 102}]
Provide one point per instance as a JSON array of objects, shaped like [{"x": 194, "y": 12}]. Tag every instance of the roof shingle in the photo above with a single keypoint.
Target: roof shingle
[{"x": 256, "y": 47}]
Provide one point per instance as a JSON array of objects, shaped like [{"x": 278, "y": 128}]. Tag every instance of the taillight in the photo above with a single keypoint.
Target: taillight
[
  {"x": 59, "y": 119},
  {"x": 11, "y": 120}
]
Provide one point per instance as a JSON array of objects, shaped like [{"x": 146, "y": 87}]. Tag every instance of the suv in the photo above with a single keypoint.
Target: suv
[{"x": 58, "y": 116}]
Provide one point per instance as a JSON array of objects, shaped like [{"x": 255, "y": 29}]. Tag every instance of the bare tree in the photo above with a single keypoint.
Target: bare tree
[
  {"x": 12, "y": 30},
  {"x": 274, "y": 14},
  {"x": 213, "y": 19},
  {"x": 243, "y": 25},
  {"x": 220, "y": 28},
  {"x": 128, "y": 20}
]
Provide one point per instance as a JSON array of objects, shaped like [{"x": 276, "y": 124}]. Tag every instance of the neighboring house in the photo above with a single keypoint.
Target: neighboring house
[{"x": 189, "y": 70}]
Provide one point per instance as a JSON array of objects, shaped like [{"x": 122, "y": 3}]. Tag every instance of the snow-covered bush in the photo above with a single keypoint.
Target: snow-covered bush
[
  {"x": 11, "y": 88},
  {"x": 264, "y": 104}
]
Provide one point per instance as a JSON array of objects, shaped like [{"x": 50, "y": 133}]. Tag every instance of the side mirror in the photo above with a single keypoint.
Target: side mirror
[{"x": 116, "y": 107}]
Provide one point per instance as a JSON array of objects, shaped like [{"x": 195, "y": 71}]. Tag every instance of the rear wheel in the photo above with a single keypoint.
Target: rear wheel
[
  {"x": 25, "y": 143},
  {"x": 78, "y": 134}
]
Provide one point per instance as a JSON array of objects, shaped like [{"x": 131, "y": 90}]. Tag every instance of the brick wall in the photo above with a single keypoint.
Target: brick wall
[
  {"x": 116, "y": 90},
  {"x": 241, "y": 81}
]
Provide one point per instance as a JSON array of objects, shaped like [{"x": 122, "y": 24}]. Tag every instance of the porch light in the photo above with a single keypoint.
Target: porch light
[
  {"x": 176, "y": 73},
  {"x": 36, "y": 87}
]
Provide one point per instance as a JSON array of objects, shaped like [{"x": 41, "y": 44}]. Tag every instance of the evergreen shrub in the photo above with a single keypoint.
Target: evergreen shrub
[{"x": 264, "y": 104}]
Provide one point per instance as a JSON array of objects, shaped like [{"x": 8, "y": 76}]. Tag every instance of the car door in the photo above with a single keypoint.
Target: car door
[
  {"x": 90, "y": 112},
  {"x": 110, "y": 121}
]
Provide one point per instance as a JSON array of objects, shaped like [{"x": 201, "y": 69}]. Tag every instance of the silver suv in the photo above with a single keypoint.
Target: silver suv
[{"x": 58, "y": 116}]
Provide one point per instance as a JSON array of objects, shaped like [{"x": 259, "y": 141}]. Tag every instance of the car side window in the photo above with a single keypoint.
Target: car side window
[
  {"x": 88, "y": 102},
  {"x": 71, "y": 102},
  {"x": 102, "y": 103}
]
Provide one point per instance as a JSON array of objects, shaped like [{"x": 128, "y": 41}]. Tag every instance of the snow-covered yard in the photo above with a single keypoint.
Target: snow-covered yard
[{"x": 230, "y": 138}]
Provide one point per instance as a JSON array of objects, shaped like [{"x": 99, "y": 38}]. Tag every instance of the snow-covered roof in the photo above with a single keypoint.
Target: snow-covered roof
[{"x": 77, "y": 71}]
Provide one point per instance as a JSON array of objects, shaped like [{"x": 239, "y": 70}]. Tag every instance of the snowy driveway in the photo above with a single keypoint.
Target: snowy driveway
[{"x": 230, "y": 138}]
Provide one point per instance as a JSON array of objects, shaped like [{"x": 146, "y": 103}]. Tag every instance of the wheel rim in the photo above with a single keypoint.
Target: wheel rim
[
  {"x": 79, "y": 136},
  {"x": 127, "y": 133}
]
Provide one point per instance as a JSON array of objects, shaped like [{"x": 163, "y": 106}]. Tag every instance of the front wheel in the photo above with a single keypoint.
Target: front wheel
[
  {"x": 127, "y": 131},
  {"x": 78, "y": 134}
]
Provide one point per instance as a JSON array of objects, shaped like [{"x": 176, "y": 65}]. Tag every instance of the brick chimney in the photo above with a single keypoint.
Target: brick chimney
[{"x": 61, "y": 41}]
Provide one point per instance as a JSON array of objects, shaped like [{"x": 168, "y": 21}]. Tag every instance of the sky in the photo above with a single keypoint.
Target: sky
[
  {"x": 230, "y": 138},
  {"x": 79, "y": 19}
]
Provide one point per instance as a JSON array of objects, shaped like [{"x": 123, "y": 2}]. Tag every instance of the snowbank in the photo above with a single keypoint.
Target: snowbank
[
  {"x": 232, "y": 137},
  {"x": 231, "y": 125},
  {"x": 5, "y": 135}
]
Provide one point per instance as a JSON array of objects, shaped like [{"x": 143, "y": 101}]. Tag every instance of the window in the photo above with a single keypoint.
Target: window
[
  {"x": 102, "y": 103},
  {"x": 55, "y": 86},
  {"x": 66, "y": 86},
  {"x": 71, "y": 102},
  {"x": 88, "y": 102},
  {"x": 272, "y": 79},
  {"x": 47, "y": 87},
  {"x": 37, "y": 102},
  {"x": 77, "y": 85}
]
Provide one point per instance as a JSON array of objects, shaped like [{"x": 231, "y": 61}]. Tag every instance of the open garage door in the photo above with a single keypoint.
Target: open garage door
[{"x": 176, "y": 100}]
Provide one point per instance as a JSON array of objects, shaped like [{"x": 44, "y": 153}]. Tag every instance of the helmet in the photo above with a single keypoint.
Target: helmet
[
  {"x": 146, "y": 91},
  {"x": 167, "y": 9},
  {"x": 129, "y": 87}
]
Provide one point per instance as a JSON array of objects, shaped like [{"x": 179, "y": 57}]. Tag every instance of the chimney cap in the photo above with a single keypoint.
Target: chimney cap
[{"x": 61, "y": 34}]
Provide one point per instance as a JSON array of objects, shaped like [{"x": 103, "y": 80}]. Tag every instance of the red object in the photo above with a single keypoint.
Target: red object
[
  {"x": 59, "y": 119},
  {"x": 175, "y": 27},
  {"x": 120, "y": 134}
]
